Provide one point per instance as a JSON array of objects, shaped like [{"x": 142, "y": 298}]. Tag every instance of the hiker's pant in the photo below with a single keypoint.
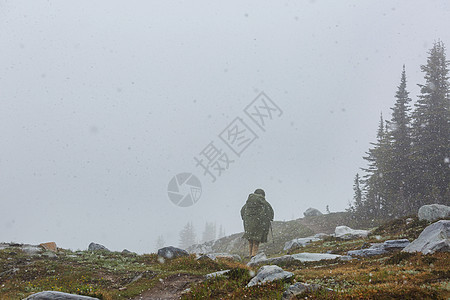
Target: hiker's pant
[{"x": 254, "y": 246}]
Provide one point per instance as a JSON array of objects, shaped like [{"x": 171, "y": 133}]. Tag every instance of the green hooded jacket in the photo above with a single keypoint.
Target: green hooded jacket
[{"x": 257, "y": 215}]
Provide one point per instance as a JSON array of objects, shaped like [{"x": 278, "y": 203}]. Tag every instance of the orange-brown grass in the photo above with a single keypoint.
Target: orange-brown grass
[
  {"x": 413, "y": 277},
  {"x": 392, "y": 276}
]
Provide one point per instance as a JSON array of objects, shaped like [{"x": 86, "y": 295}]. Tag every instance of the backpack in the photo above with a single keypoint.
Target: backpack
[{"x": 254, "y": 206}]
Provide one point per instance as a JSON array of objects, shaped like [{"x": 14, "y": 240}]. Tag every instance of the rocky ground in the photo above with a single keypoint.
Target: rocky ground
[{"x": 358, "y": 265}]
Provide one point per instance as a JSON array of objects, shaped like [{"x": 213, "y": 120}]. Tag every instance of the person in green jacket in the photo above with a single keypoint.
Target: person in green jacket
[{"x": 257, "y": 214}]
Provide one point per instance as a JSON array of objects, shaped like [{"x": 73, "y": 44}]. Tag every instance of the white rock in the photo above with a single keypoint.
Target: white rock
[
  {"x": 314, "y": 256},
  {"x": 302, "y": 242},
  {"x": 52, "y": 295},
  {"x": 268, "y": 274},
  {"x": 345, "y": 232},
  {"x": 215, "y": 256},
  {"x": 434, "y": 212},
  {"x": 258, "y": 258},
  {"x": 216, "y": 274},
  {"x": 436, "y": 237}
]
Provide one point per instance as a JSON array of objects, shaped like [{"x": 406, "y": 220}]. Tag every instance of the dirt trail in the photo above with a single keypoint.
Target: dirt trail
[{"x": 170, "y": 288}]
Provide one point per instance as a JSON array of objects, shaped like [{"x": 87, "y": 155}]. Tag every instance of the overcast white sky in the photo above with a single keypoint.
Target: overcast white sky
[{"x": 103, "y": 102}]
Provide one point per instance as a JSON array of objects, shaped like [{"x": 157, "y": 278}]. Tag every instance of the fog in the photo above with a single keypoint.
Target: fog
[{"x": 102, "y": 103}]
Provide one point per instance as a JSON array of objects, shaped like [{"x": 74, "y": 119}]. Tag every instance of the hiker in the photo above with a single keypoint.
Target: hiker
[{"x": 257, "y": 215}]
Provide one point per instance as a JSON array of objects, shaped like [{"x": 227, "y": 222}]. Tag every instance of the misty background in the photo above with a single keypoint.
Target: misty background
[{"x": 102, "y": 103}]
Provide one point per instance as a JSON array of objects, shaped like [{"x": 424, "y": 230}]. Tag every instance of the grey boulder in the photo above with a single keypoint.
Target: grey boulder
[
  {"x": 375, "y": 249},
  {"x": 298, "y": 289},
  {"x": 217, "y": 274},
  {"x": 434, "y": 212},
  {"x": 97, "y": 247},
  {"x": 268, "y": 274},
  {"x": 434, "y": 238},
  {"x": 314, "y": 256},
  {"x": 302, "y": 242},
  {"x": 380, "y": 248},
  {"x": 215, "y": 256},
  {"x": 346, "y": 233},
  {"x": 312, "y": 212},
  {"x": 395, "y": 244},
  {"x": 52, "y": 295},
  {"x": 257, "y": 259},
  {"x": 172, "y": 252}
]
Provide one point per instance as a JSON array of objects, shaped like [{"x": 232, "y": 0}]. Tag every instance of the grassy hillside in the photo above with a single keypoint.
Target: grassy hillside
[{"x": 109, "y": 275}]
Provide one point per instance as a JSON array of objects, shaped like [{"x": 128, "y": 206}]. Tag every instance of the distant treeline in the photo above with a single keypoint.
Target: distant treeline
[{"x": 409, "y": 164}]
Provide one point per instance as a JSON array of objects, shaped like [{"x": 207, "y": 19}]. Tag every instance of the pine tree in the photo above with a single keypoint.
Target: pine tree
[
  {"x": 187, "y": 236},
  {"x": 374, "y": 181},
  {"x": 399, "y": 166},
  {"x": 431, "y": 132},
  {"x": 210, "y": 232},
  {"x": 221, "y": 232},
  {"x": 357, "y": 196}
]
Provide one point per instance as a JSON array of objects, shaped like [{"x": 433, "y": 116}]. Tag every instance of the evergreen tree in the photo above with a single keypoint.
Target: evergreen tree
[
  {"x": 431, "y": 132},
  {"x": 210, "y": 232},
  {"x": 187, "y": 236},
  {"x": 221, "y": 232},
  {"x": 399, "y": 166},
  {"x": 374, "y": 181},
  {"x": 357, "y": 196}
]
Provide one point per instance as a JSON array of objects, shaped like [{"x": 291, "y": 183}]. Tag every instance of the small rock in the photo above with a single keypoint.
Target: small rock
[
  {"x": 366, "y": 252},
  {"x": 314, "y": 256},
  {"x": 216, "y": 274},
  {"x": 409, "y": 221},
  {"x": 434, "y": 238},
  {"x": 52, "y": 295},
  {"x": 258, "y": 258},
  {"x": 395, "y": 244},
  {"x": 434, "y": 212},
  {"x": 346, "y": 233},
  {"x": 312, "y": 212},
  {"x": 97, "y": 247},
  {"x": 215, "y": 256},
  {"x": 50, "y": 246},
  {"x": 300, "y": 242},
  {"x": 172, "y": 252},
  {"x": 126, "y": 251},
  {"x": 298, "y": 289},
  {"x": 268, "y": 274}
]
